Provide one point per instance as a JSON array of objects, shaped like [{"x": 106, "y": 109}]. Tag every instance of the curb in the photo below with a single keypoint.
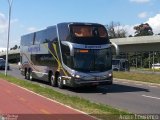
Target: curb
[{"x": 134, "y": 81}]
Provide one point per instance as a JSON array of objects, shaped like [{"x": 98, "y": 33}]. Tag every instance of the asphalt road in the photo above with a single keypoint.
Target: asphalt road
[{"x": 133, "y": 97}]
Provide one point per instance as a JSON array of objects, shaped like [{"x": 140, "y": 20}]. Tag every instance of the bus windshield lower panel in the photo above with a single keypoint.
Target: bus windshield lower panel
[{"x": 92, "y": 60}]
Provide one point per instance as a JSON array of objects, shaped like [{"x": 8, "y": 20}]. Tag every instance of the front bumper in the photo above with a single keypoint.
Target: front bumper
[{"x": 74, "y": 82}]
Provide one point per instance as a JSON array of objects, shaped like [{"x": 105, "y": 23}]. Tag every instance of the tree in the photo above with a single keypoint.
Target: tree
[
  {"x": 143, "y": 30},
  {"x": 14, "y": 48},
  {"x": 116, "y": 30}
]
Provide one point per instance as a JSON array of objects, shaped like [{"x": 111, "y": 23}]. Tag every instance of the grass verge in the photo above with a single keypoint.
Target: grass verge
[
  {"x": 145, "y": 69},
  {"x": 152, "y": 78},
  {"x": 97, "y": 110}
]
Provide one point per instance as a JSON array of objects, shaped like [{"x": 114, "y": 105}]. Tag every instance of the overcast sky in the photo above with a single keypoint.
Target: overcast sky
[{"x": 32, "y": 15}]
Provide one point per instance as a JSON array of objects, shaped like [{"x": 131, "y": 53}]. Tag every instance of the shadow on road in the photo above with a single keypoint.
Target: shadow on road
[
  {"x": 119, "y": 88},
  {"x": 115, "y": 88}
]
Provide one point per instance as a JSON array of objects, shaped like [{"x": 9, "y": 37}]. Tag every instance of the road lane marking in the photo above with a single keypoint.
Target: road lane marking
[
  {"x": 138, "y": 84},
  {"x": 151, "y": 97},
  {"x": 153, "y": 86},
  {"x": 44, "y": 111},
  {"x": 115, "y": 81},
  {"x": 125, "y": 82}
]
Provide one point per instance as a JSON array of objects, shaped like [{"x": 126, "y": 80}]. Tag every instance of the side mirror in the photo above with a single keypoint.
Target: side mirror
[
  {"x": 116, "y": 47},
  {"x": 70, "y": 47}
]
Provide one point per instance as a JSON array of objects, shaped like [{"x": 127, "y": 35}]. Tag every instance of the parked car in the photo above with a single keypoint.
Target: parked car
[
  {"x": 2, "y": 64},
  {"x": 1, "y": 59}
]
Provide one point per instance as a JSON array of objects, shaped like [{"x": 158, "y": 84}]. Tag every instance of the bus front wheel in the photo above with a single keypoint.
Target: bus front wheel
[
  {"x": 60, "y": 82},
  {"x": 30, "y": 75},
  {"x": 53, "y": 81}
]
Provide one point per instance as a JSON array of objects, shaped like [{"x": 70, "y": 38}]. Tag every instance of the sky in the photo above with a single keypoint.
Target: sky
[{"x": 32, "y": 15}]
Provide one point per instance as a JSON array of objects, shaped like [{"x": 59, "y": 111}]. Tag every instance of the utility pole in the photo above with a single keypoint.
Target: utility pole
[{"x": 9, "y": 22}]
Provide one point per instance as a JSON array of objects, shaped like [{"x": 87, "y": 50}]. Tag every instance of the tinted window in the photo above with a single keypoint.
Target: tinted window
[
  {"x": 27, "y": 39},
  {"x": 92, "y": 60},
  {"x": 51, "y": 34},
  {"x": 82, "y": 31},
  {"x": 43, "y": 60},
  {"x": 63, "y": 31},
  {"x": 67, "y": 59},
  {"x": 40, "y": 36},
  {"x": 115, "y": 62},
  {"x": 88, "y": 31}
]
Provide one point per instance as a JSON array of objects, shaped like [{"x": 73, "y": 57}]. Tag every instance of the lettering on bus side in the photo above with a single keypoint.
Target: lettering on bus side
[{"x": 34, "y": 49}]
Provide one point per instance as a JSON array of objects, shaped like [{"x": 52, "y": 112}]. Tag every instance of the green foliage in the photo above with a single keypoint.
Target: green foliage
[
  {"x": 143, "y": 59},
  {"x": 143, "y": 30},
  {"x": 152, "y": 78},
  {"x": 116, "y": 30}
]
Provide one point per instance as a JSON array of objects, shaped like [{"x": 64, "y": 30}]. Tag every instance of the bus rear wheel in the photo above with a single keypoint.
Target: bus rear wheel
[{"x": 25, "y": 73}]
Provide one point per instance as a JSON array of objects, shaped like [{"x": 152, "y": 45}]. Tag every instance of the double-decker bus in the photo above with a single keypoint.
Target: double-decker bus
[{"x": 68, "y": 54}]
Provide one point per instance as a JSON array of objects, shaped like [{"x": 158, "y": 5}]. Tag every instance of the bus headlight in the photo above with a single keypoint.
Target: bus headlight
[
  {"x": 77, "y": 76},
  {"x": 110, "y": 75}
]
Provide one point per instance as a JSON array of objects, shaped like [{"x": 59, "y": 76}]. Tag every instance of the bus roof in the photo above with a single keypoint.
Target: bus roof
[{"x": 66, "y": 23}]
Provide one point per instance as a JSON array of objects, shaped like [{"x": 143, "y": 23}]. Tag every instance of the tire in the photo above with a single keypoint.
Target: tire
[
  {"x": 53, "y": 81},
  {"x": 60, "y": 82},
  {"x": 30, "y": 75},
  {"x": 26, "y": 74}
]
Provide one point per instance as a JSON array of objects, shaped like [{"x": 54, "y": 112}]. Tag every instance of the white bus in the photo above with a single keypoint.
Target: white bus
[{"x": 68, "y": 54}]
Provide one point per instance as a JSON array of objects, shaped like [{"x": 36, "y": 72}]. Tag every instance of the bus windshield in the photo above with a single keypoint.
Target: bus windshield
[
  {"x": 92, "y": 60},
  {"x": 89, "y": 31},
  {"x": 115, "y": 62}
]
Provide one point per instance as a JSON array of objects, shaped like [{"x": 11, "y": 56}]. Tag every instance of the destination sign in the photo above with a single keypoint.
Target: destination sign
[{"x": 92, "y": 46}]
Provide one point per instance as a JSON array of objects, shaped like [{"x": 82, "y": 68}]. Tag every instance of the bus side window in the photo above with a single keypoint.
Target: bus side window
[
  {"x": 39, "y": 37},
  {"x": 27, "y": 40},
  {"x": 50, "y": 35}
]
